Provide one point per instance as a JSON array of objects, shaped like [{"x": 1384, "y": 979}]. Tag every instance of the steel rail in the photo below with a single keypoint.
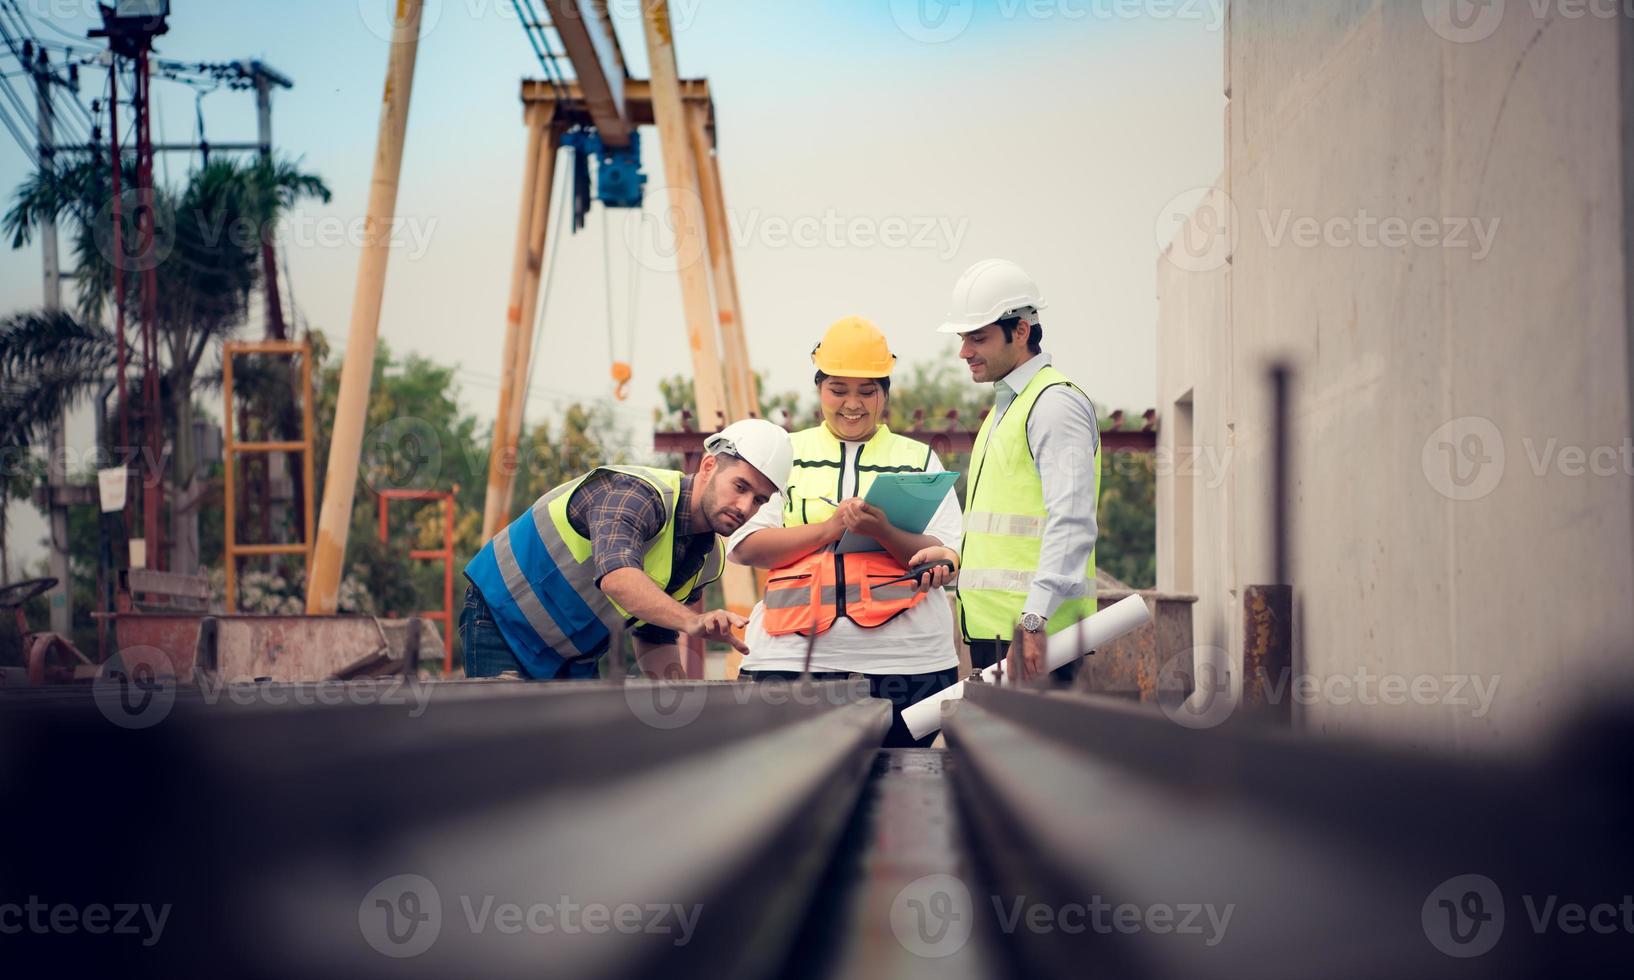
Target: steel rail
[{"x": 1329, "y": 856}]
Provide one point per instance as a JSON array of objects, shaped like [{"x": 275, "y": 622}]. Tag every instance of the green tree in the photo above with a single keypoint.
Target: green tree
[{"x": 206, "y": 257}]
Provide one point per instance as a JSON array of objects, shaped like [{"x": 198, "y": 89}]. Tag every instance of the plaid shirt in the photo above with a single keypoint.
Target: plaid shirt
[{"x": 621, "y": 514}]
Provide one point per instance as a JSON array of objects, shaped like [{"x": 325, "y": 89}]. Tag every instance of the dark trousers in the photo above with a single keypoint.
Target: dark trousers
[
  {"x": 488, "y": 655},
  {"x": 901, "y": 690},
  {"x": 986, "y": 653}
]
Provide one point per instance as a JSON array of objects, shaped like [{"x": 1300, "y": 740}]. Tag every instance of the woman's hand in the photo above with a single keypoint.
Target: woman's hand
[
  {"x": 936, "y": 577},
  {"x": 862, "y": 519}
]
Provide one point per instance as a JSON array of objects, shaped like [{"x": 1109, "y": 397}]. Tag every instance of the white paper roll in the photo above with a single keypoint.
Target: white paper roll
[{"x": 1123, "y": 617}]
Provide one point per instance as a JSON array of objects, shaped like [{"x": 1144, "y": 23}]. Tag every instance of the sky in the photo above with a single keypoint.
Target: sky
[{"x": 871, "y": 150}]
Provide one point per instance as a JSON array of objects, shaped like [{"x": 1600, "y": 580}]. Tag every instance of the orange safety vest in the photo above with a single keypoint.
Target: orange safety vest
[{"x": 809, "y": 595}]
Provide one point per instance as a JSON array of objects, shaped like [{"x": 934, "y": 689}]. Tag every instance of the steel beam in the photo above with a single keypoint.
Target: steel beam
[
  {"x": 269, "y": 823},
  {"x": 587, "y": 35},
  {"x": 1331, "y": 858}
]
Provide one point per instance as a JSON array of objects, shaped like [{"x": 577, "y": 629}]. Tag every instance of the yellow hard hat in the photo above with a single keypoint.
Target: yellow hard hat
[{"x": 854, "y": 348}]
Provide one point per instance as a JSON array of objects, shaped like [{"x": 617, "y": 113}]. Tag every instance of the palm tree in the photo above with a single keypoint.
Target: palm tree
[{"x": 206, "y": 257}]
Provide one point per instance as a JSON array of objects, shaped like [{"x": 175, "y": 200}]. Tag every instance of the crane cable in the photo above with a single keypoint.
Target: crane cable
[
  {"x": 624, "y": 370},
  {"x": 554, "y": 248}
]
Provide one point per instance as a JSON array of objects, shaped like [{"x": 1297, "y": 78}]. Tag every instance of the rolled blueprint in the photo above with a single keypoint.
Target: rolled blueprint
[{"x": 1123, "y": 617}]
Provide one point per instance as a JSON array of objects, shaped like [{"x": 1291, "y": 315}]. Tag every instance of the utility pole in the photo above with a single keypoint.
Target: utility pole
[
  {"x": 61, "y": 597},
  {"x": 265, "y": 79},
  {"x": 276, "y": 485},
  {"x": 352, "y": 404}
]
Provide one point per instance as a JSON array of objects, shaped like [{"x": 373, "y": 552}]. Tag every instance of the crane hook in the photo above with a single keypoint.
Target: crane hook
[{"x": 621, "y": 380}]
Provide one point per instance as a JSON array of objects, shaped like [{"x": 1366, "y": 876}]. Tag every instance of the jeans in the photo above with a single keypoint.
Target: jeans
[
  {"x": 902, "y": 690},
  {"x": 488, "y": 655}
]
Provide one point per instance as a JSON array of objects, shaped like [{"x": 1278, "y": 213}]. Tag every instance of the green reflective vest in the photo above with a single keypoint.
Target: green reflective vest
[
  {"x": 1004, "y": 525},
  {"x": 659, "y": 558},
  {"x": 820, "y": 462}
]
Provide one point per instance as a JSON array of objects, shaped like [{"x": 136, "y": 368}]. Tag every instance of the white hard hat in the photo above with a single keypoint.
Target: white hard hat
[
  {"x": 989, "y": 291},
  {"x": 762, "y": 444}
]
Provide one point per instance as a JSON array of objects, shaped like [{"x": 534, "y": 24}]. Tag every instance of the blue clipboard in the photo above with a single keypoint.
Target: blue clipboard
[{"x": 909, "y": 501}]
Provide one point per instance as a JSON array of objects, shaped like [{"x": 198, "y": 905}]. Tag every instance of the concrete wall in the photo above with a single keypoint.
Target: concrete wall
[{"x": 1432, "y": 224}]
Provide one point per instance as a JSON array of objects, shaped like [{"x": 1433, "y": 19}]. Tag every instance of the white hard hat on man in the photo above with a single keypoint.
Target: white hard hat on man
[
  {"x": 990, "y": 291},
  {"x": 762, "y": 444}
]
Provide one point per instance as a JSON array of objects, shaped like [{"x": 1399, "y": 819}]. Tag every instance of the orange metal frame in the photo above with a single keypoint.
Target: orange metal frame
[
  {"x": 231, "y": 447},
  {"x": 445, "y": 554}
]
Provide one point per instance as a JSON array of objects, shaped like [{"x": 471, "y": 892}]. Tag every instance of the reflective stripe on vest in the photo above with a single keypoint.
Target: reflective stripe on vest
[
  {"x": 805, "y": 595},
  {"x": 1004, "y": 524},
  {"x": 537, "y": 577}
]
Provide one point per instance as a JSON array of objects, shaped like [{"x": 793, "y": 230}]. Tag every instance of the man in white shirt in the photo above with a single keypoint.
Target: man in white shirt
[{"x": 1030, "y": 524}]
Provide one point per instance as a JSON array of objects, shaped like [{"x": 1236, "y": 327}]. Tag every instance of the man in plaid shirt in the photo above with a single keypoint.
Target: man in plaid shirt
[{"x": 619, "y": 549}]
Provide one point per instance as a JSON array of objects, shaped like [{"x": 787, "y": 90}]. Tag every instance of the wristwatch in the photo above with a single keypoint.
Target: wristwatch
[{"x": 1032, "y": 622}]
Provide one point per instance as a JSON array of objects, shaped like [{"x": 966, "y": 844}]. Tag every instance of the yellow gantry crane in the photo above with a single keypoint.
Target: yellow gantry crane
[{"x": 601, "y": 102}]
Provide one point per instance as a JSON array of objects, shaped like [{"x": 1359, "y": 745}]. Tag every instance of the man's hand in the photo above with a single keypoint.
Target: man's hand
[
  {"x": 865, "y": 520},
  {"x": 718, "y": 626},
  {"x": 936, "y": 577},
  {"x": 1026, "y": 661}
]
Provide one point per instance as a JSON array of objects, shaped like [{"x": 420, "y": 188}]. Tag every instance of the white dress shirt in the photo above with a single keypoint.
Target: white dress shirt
[
  {"x": 920, "y": 641},
  {"x": 1064, "y": 437}
]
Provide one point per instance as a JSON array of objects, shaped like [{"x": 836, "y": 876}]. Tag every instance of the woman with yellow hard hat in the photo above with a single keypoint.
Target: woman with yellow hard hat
[{"x": 869, "y": 616}]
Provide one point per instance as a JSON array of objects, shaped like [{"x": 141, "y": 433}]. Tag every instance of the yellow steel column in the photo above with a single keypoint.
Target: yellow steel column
[
  {"x": 501, "y": 458},
  {"x": 741, "y": 395},
  {"x": 351, "y": 409},
  {"x": 686, "y": 213}
]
